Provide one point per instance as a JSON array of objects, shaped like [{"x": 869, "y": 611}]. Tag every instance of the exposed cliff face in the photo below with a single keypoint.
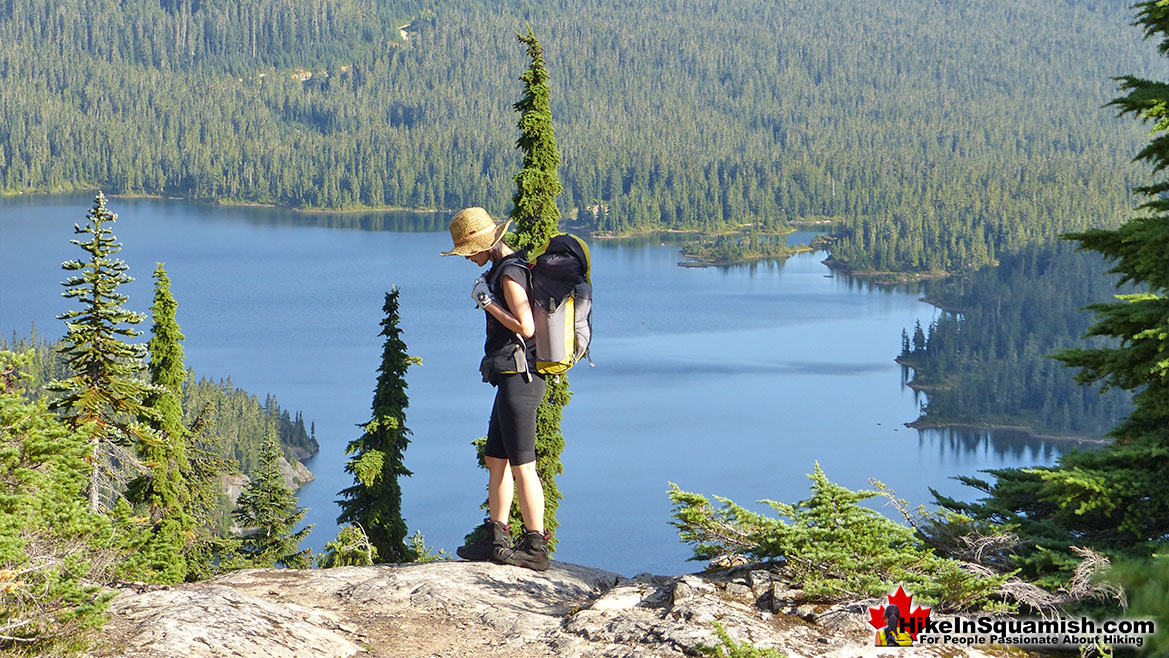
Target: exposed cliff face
[
  {"x": 296, "y": 475},
  {"x": 482, "y": 610}
]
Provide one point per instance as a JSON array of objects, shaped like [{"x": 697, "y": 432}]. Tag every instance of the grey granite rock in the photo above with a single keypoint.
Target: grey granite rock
[{"x": 483, "y": 610}]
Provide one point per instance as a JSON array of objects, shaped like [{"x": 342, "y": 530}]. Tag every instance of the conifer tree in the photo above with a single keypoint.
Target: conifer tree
[
  {"x": 267, "y": 511},
  {"x": 104, "y": 393},
  {"x": 537, "y": 218},
  {"x": 164, "y": 492},
  {"x": 374, "y": 502},
  {"x": 210, "y": 551},
  {"x": 1125, "y": 485},
  {"x": 54, "y": 550},
  {"x": 1112, "y": 499},
  {"x": 538, "y": 183}
]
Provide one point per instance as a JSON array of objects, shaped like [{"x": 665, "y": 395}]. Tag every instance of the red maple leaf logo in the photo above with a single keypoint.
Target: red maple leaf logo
[{"x": 912, "y": 622}]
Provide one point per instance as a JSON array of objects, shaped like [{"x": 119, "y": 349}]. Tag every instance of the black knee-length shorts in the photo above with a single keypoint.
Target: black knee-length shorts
[{"x": 511, "y": 435}]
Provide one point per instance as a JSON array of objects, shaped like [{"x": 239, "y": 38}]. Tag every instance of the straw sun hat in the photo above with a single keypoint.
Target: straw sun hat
[{"x": 473, "y": 230}]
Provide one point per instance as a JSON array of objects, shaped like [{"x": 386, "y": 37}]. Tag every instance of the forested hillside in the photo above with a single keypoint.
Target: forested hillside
[
  {"x": 235, "y": 420},
  {"x": 940, "y": 134},
  {"x": 987, "y": 359}
]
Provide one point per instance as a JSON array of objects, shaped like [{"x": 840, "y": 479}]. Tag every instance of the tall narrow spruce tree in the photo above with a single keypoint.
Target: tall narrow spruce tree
[
  {"x": 185, "y": 490},
  {"x": 164, "y": 494},
  {"x": 267, "y": 511},
  {"x": 105, "y": 392},
  {"x": 538, "y": 182},
  {"x": 537, "y": 219},
  {"x": 376, "y": 458}
]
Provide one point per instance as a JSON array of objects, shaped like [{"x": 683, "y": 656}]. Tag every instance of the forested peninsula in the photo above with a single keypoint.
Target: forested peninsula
[
  {"x": 937, "y": 135},
  {"x": 986, "y": 361}
]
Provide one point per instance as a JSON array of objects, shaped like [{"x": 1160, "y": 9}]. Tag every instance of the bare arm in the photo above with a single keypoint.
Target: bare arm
[{"x": 519, "y": 321}]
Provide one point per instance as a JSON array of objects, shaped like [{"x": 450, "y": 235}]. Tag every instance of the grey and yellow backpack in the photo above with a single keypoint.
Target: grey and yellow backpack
[{"x": 562, "y": 303}]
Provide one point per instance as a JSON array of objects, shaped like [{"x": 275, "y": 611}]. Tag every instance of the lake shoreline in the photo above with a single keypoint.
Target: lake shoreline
[
  {"x": 607, "y": 235},
  {"x": 1027, "y": 432},
  {"x": 326, "y": 211},
  {"x": 42, "y": 194},
  {"x": 940, "y": 306},
  {"x": 881, "y": 278},
  {"x": 923, "y": 423}
]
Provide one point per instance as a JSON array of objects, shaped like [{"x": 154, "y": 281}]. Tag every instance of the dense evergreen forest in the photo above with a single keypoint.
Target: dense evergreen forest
[
  {"x": 987, "y": 358},
  {"x": 939, "y": 134}
]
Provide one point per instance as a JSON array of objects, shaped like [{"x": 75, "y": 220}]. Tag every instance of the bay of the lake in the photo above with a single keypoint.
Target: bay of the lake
[{"x": 727, "y": 381}]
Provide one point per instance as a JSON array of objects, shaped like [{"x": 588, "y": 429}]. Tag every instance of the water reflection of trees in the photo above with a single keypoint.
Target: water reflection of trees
[
  {"x": 651, "y": 239},
  {"x": 867, "y": 286},
  {"x": 397, "y": 221},
  {"x": 1006, "y": 445}
]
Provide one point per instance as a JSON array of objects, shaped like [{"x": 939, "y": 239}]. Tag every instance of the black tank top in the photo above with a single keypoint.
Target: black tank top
[{"x": 500, "y": 339}]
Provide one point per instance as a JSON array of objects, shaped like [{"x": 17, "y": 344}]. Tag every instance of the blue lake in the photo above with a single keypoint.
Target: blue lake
[{"x": 730, "y": 381}]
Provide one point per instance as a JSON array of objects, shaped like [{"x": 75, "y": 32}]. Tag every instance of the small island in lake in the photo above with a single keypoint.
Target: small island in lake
[{"x": 733, "y": 249}]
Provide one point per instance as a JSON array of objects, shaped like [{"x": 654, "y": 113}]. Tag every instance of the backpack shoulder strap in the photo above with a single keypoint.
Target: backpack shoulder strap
[{"x": 517, "y": 258}]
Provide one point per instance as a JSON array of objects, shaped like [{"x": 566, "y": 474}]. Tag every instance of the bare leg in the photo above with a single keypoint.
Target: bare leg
[
  {"x": 531, "y": 493},
  {"x": 499, "y": 490}
]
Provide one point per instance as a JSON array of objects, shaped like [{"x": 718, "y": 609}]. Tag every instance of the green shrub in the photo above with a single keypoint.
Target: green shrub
[
  {"x": 351, "y": 548},
  {"x": 424, "y": 553},
  {"x": 834, "y": 548},
  {"x": 728, "y": 648},
  {"x": 1146, "y": 583}
]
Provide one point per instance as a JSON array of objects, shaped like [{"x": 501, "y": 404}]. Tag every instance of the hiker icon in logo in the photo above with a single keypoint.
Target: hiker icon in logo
[
  {"x": 897, "y": 625},
  {"x": 892, "y": 635}
]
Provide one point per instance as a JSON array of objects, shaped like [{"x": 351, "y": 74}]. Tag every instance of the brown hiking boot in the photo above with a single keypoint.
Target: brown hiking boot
[
  {"x": 530, "y": 552},
  {"x": 489, "y": 536}
]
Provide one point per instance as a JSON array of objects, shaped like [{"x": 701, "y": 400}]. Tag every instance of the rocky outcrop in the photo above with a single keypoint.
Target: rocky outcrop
[
  {"x": 295, "y": 473},
  {"x": 301, "y": 453},
  {"x": 484, "y": 610},
  {"x": 233, "y": 485}
]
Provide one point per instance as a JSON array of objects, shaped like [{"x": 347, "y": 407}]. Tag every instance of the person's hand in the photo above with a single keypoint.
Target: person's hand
[{"x": 481, "y": 294}]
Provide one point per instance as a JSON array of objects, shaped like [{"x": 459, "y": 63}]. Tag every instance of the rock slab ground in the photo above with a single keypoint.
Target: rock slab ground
[{"x": 484, "y": 610}]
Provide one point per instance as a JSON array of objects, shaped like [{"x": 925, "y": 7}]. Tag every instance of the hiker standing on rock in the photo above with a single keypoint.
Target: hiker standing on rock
[{"x": 509, "y": 364}]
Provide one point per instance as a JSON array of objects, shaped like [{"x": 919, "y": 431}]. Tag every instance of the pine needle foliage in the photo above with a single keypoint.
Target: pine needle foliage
[
  {"x": 210, "y": 551},
  {"x": 54, "y": 551},
  {"x": 164, "y": 494},
  {"x": 167, "y": 366},
  {"x": 537, "y": 219},
  {"x": 834, "y": 548},
  {"x": 267, "y": 511},
  {"x": 1112, "y": 499},
  {"x": 351, "y": 548},
  {"x": 538, "y": 183},
  {"x": 1146, "y": 583},
  {"x": 105, "y": 391},
  {"x": 728, "y": 648},
  {"x": 377, "y": 458},
  {"x": 424, "y": 553}
]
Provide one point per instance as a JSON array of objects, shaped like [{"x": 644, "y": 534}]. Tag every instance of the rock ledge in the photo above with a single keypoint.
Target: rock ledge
[{"x": 484, "y": 610}]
